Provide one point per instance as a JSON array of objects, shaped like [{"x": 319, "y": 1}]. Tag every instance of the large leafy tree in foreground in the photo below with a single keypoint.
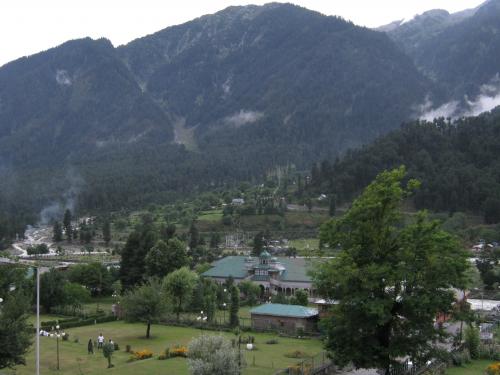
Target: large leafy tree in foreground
[
  {"x": 145, "y": 303},
  {"x": 391, "y": 278}
]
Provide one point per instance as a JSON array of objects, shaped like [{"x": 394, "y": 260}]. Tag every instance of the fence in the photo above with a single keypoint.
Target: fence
[{"x": 315, "y": 365}]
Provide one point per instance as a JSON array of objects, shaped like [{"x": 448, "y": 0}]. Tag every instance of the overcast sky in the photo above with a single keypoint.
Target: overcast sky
[{"x": 30, "y": 26}]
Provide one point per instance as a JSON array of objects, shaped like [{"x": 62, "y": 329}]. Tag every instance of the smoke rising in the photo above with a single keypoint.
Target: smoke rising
[
  {"x": 69, "y": 198},
  {"x": 488, "y": 99}
]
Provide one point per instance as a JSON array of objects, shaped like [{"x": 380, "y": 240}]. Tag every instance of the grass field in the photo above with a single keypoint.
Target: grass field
[
  {"x": 75, "y": 360},
  {"x": 305, "y": 244},
  {"x": 212, "y": 216},
  {"x": 473, "y": 368}
]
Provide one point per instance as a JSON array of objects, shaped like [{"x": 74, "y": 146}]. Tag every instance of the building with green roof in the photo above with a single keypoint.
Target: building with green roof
[
  {"x": 289, "y": 318},
  {"x": 273, "y": 275}
]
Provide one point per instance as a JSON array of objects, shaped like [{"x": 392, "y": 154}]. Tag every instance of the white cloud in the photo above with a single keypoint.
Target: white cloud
[
  {"x": 488, "y": 99},
  {"x": 244, "y": 117},
  {"x": 62, "y": 78}
]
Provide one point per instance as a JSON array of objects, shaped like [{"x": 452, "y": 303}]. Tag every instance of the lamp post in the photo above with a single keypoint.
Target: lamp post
[
  {"x": 224, "y": 311},
  {"x": 57, "y": 344}
]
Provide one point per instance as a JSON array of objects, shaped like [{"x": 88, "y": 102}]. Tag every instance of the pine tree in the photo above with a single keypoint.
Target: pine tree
[
  {"x": 67, "y": 224},
  {"x": 234, "y": 307},
  {"x": 106, "y": 231},
  {"x": 57, "y": 236}
]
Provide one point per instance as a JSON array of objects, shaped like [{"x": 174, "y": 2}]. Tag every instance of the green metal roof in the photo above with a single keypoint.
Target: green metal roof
[
  {"x": 292, "y": 311},
  {"x": 296, "y": 268},
  {"x": 229, "y": 266},
  {"x": 265, "y": 254}
]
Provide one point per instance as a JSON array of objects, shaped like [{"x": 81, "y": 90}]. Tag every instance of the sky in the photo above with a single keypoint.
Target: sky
[{"x": 30, "y": 26}]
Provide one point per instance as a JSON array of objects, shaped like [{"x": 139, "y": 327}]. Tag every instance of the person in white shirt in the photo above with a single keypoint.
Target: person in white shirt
[{"x": 100, "y": 341}]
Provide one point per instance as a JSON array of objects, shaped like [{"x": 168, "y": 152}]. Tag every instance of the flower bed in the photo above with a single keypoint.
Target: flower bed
[{"x": 140, "y": 355}]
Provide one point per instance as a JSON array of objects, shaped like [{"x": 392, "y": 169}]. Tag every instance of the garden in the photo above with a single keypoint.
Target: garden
[{"x": 270, "y": 353}]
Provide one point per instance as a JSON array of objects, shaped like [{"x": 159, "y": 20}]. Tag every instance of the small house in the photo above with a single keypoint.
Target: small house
[{"x": 287, "y": 318}]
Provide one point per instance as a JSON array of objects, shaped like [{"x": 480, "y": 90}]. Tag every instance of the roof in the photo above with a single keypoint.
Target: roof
[
  {"x": 229, "y": 266},
  {"x": 292, "y": 311},
  {"x": 295, "y": 268},
  {"x": 265, "y": 254}
]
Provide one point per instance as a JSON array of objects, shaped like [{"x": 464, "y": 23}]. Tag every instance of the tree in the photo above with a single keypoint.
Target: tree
[
  {"x": 52, "y": 289},
  {"x": 258, "y": 244},
  {"x": 67, "y": 224},
  {"x": 179, "y": 287},
  {"x": 145, "y": 303},
  {"x": 390, "y": 279},
  {"x": 212, "y": 355},
  {"x": 38, "y": 249},
  {"x": 300, "y": 298},
  {"x": 139, "y": 242},
  {"x": 472, "y": 341},
  {"x": 15, "y": 331},
  {"x": 166, "y": 257},
  {"x": 214, "y": 240},
  {"x": 57, "y": 235},
  {"x": 107, "y": 351},
  {"x": 251, "y": 291},
  {"x": 491, "y": 210},
  {"x": 234, "y": 306},
  {"x": 75, "y": 295},
  {"x": 332, "y": 207},
  {"x": 194, "y": 236},
  {"x": 94, "y": 276},
  {"x": 106, "y": 231}
]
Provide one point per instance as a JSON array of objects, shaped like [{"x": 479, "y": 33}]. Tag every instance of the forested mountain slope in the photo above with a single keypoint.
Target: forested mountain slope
[
  {"x": 246, "y": 89},
  {"x": 458, "y": 164}
]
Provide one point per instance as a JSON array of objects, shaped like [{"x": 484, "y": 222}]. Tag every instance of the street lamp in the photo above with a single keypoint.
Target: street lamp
[
  {"x": 57, "y": 345},
  {"x": 224, "y": 311}
]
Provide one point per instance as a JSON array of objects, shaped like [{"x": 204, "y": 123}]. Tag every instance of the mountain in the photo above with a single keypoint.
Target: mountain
[
  {"x": 70, "y": 100},
  {"x": 277, "y": 76},
  {"x": 458, "y": 51},
  {"x": 225, "y": 97}
]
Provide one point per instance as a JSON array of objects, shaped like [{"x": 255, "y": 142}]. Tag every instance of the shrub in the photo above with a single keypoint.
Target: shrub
[
  {"x": 472, "y": 341},
  {"x": 493, "y": 369},
  {"x": 296, "y": 354},
  {"x": 179, "y": 351},
  {"x": 272, "y": 341},
  {"x": 164, "y": 355},
  {"x": 140, "y": 355},
  {"x": 460, "y": 358},
  {"x": 213, "y": 355}
]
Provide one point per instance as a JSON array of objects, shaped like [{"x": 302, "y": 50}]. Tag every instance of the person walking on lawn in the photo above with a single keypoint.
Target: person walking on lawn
[
  {"x": 90, "y": 347},
  {"x": 100, "y": 341}
]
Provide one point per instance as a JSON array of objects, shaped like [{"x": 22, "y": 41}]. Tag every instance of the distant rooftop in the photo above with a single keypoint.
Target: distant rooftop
[{"x": 292, "y": 311}]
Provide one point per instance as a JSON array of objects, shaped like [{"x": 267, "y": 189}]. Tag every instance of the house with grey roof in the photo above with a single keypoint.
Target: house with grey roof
[{"x": 273, "y": 274}]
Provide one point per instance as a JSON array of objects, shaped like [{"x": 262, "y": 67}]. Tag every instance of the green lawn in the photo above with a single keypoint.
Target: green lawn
[
  {"x": 211, "y": 216},
  {"x": 473, "y": 368},
  {"x": 75, "y": 360},
  {"x": 305, "y": 244}
]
